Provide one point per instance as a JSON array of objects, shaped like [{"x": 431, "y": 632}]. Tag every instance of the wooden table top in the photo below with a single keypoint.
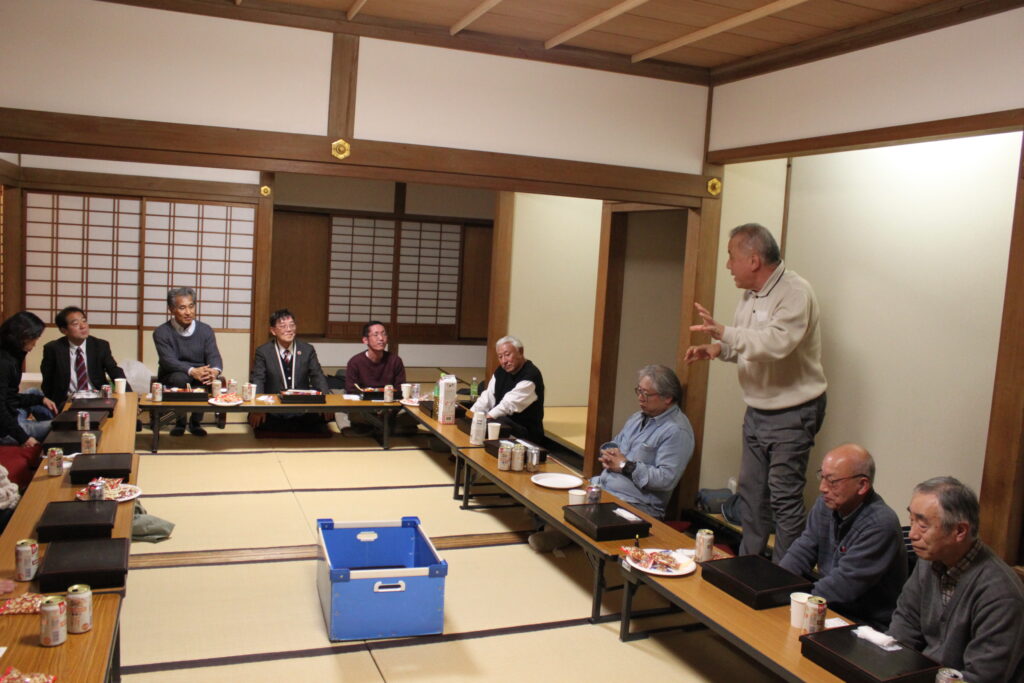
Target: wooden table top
[
  {"x": 334, "y": 403},
  {"x": 450, "y": 434}
]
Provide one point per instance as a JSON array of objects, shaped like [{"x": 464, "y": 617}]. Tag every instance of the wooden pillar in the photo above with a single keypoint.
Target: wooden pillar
[
  {"x": 604, "y": 360},
  {"x": 1002, "y": 484},
  {"x": 341, "y": 112},
  {"x": 501, "y": 274},
  {"x": 14, "y": 251},
  {"x": 261, "y": 267}
]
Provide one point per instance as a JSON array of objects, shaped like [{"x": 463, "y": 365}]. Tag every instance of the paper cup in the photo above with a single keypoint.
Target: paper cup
[
  {"x": 577, "y": 497},
  {"x": 797, "y": 605},
  {"x": 406, "y": 390},
  {"x": 493, "y": 430},
  {"x": 120, "y": 385}
]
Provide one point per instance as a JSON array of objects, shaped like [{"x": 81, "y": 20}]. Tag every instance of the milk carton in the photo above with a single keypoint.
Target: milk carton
[{"x": 446, "y": 399}]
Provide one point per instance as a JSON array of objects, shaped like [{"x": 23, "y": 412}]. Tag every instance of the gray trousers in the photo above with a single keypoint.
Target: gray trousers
[{"x": 776, "y": 446}]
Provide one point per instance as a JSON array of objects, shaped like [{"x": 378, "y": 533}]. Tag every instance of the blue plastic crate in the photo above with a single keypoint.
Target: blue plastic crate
[{"x": 379, "y": 580}]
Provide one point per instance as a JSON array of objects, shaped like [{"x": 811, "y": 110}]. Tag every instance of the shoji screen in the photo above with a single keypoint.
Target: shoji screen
[{"x": 362, "y": 269}]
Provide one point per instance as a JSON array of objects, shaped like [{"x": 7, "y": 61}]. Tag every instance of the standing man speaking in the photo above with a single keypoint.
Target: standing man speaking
[{"x": 775, "y": 342}]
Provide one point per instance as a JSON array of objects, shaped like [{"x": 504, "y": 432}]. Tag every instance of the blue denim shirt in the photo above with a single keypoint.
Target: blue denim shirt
[{"x": 661, "y": 450}]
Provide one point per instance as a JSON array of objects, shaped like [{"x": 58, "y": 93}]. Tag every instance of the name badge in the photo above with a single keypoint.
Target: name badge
[{"x": 761, "y": 316}]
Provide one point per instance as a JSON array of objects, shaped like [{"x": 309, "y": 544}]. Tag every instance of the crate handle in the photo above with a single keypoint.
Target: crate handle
[
  {"x": 366, "y": 536},
  {"x": 381, "y": 587}
]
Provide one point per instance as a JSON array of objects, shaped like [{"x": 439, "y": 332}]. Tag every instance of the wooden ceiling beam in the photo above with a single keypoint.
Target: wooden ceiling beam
[
  {"x": 354, "y": 9},
  {"x": 474, "y": 14},
  {"x": 592, "y": 22},
  {"x": 715, "y": 29}
]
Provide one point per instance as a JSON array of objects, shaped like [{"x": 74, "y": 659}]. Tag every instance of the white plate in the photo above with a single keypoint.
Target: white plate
[
  {"x": 410, "y": 402},
  {"x": 224, "y": 404},
  {"x": 127, "y": 492},
  {"x": 556, "y": 480},
  {"x": 688, "y": 565},
  {"x": 86, "y": 394}
]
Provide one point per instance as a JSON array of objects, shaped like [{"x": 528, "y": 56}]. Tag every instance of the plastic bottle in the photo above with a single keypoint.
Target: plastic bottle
[{"x": 474, "y": 390}]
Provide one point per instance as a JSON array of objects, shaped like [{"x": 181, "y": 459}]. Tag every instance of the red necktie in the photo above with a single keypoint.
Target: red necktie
[{"x": 80, "y": 373}]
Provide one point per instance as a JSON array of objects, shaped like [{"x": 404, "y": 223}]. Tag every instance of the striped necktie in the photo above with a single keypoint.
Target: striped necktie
[{"x": 82, "y": 377}]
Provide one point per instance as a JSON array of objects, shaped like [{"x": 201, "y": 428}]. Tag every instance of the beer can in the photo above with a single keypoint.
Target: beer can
[
  {"x": 106, "y": 391},
  {"x": 156, "y": 392},
  {"x": 505, "y": 456},
  {"x": 96, "y": 490},
  {"x": 232, "y": 386},
  {"x": 53, "y": 621},
  {"x": 948, "y": 675},
  {"x": 215, "y": 387},
  {"x": 518, "y": 457},
  {"x": 26, "y": 559},
  {"x": 83, "y": 420},
  {"x": 389, "y": 392},
  {"x": 705, "y": 545},
  {"x": 55, "y": 462},
  {"x": 248, "y": 391},
  {"x": 814, "y": 614},
  {"x": 533, "y": 459},
  {"x": 593, "y": 493},
  {"x": 415, "y": 392},
  {"x": 88, "y": 443},
  {"x": 79, "y": 608}
]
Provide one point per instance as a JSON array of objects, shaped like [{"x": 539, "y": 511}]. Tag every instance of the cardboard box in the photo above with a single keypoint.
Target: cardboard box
[
  {"x": 447, "y": 399},
  {"x": 379, "y": 580},
  {"x": 853, "y": 659}
]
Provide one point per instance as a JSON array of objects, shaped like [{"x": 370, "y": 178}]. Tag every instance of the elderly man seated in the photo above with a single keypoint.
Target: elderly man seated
[
  {"x": 854, "y": 539},
  {"x": 646, "y": 460},
  {"x": 962, "y": 606},
  {"x": 515, "y": 395}
]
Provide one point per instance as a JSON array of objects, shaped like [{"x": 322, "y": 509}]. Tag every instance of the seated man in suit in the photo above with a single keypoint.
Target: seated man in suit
[
  {"x": 515, "y": 395},
  {"x": 854, "y": 539},
  {"x": 187, "y": 349},
  {"x": 962, "y": 605},
  {"x": 76, "y": 361},
  {"x": 286, "y": 363}
]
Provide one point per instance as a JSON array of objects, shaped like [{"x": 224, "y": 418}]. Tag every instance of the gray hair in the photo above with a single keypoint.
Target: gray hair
[
  {"x": 173, "y": 294},
  {"x": 956, "y": 500},
  {"x": 664, "y": 380},
  {"x": 757, "y": 238},
  {"x": 508, "y": 339}
]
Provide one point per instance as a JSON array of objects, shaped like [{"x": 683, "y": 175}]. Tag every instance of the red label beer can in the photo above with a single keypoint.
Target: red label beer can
[
  {"x": 156, "y": 392},
  {"x": 83, "y": 420},
  {"x": 55, "y": 462},
  {"x": 705, "y": 546},
  {"x": 97, "y": 490},
  {"x": 389, "y": 392},
  {"x": 593, "y": 493},
  {"x": 88, "y": 443},
  {"x": 814, "y": 614},
  {"x": 106, "y": 391},
  {"x": 53, "y": 621},
  {"x": 79, "y": 608},
  {"x": 26, "y": 559},
  {"x": 505, "y": 456}
]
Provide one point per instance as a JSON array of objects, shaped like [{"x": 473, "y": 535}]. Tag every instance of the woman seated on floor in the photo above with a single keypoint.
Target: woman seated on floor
[{"x": 24, "y": 417}]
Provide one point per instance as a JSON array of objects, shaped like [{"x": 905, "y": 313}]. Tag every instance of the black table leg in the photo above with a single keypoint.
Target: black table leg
[
  {"x": 595, "y": 610},
  {"x": 458, "y": 472},
  {"x": 154, "y": 425},
  {"x": 627, "y": 609},
  {"x": 385, "y": 439}
]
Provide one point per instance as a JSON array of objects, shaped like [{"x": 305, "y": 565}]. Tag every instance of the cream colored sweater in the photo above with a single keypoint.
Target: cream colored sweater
[
  {"x": 9, "y": 495},
  {"x": 775, "y": 340}
]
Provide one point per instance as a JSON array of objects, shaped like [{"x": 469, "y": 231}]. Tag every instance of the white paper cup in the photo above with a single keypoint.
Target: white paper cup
[
  {"x": 797, "y": 605},
  {"x": 577, "y": 497},
  {"x": 493, "y": 430},
  {"x": 406, "y": 390},
  {"x": 120, "y": 385}
]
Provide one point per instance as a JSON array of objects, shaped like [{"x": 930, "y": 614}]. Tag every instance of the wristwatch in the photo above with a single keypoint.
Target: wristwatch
[{"x": 627, "y": 468}]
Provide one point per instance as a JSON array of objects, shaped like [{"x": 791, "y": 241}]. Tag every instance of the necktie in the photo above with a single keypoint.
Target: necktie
[
  {"x": 80, "y": 373},
  {"x": 287, "y": 356}
]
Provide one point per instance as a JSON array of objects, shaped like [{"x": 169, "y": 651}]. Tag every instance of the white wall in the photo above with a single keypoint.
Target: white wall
[
  {"x": 435, "y": 96},
  {"x": 971, "y": 68},
  {"x": 105, "y": 59},
  {"x": 907, "y": 250},
  {"x": 754, "y": 193},
  {"x": 223, "y": 175},
  {"x": 551, "y": 299}
]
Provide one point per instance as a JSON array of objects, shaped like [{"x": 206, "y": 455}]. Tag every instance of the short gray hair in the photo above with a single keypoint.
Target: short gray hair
[
  {"x": 173, "y": 294},
  {"x": 664, "y": 380},
  {"x": 956, "y": 500},
  {"x": 760, "y": 240},
  {"x": 508, "y": 339}
]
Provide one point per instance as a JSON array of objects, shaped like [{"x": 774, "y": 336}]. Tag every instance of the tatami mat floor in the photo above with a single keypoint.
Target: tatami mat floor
[{"x": 232, "y": 594}]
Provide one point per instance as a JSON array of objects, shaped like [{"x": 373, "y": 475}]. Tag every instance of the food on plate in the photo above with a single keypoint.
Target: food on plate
[
  {"x": 228, "y": 398},
  {"x": 662, "y": 560}
]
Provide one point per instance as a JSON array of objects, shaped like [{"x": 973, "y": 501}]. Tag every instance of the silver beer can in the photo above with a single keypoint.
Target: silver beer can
[
  {"x": 533, "y": 459},
  {"x": 518, "y": 457},
  {"x": 53, "y": 621},
  {"x": 948, "y": 675},
  {"x": 389, "y": 392},
  {"x": 88, "y": 443},
  {"x": 705, "y": 546},
  {"x": 505, "y": 456},
  {"x": 814, "y": 614},
  {"x": 594, "y": 493},
  {"x": 215, "y": 387},
  {"x": 96, "y": 490},
  {"x": 79, "y": 608},
  {"x": 83, "y": 420},
  {"x": 248, "y": 391},
  {"x": 106, "y": 391},
  {"x": 26, "y": 559},
  {"x": 55, "y": 462},
  {"x": 156, "y": 392},
  {"x": 232, "y": 386}
]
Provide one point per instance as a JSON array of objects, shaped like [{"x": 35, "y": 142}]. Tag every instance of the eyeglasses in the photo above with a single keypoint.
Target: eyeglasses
[
  {"x": 644, "y": 394},
  {"x": 832, "y": 482}
]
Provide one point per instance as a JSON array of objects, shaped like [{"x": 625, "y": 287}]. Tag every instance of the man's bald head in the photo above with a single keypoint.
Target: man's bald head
[
  {"x": 853, "y": 459},
  {"x": 847, "y": 474}
]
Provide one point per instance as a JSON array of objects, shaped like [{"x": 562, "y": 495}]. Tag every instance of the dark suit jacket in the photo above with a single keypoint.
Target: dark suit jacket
[
  {"x": 266, "y": 372},
  {"x": 56, "y": 367}
]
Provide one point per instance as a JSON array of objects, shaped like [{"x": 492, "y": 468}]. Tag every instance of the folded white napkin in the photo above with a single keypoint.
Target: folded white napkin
[{"x": 882, "y": 640}]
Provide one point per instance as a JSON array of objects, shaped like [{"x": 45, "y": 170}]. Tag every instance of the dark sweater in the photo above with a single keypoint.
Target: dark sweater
[
  {"x": 862, "y": 561},
  {"x": 367, "y": 374},
  {"x": 181, "y": 354},
  {"x": 981, "y": 630},
  {"x": 10, "y": 381}
]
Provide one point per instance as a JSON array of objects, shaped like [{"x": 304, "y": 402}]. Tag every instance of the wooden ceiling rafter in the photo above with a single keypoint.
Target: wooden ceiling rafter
[
  {"x": 354, "y": 9},
  {"x": 474, "y": 14},
  {"x": 593, "y": 22},
  {"x": 721, "y": 27}
]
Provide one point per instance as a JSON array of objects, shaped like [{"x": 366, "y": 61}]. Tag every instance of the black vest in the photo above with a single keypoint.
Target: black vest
[{"x": 531, "y": 419}]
